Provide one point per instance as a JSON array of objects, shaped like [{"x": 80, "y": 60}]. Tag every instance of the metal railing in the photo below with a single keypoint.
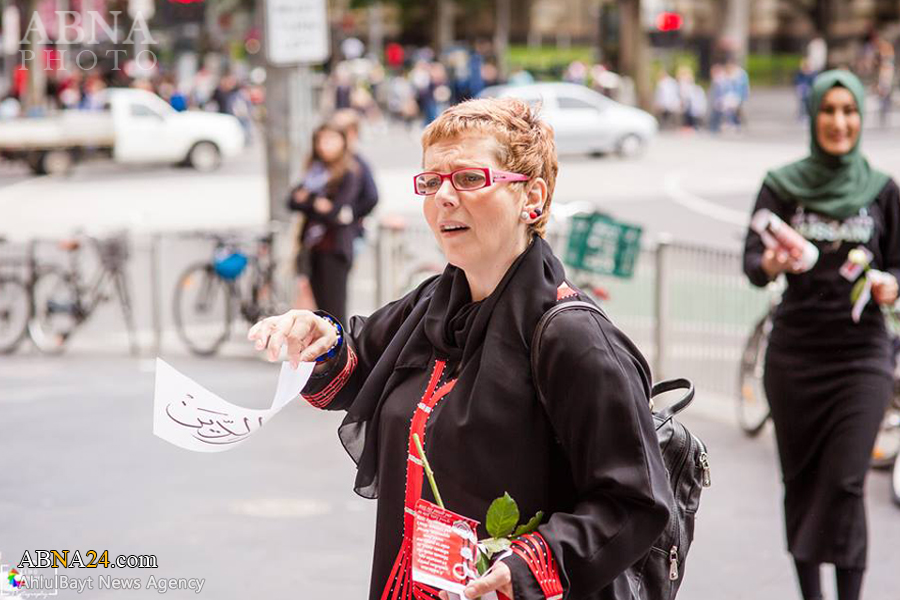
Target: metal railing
[{"x": 687, "y": 307}]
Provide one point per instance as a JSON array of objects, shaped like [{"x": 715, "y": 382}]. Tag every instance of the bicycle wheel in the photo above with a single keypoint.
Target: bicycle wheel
[
  {"x": 887, "y": 444},
  {"x": 15, "y": 309},
  {"x": 753, "y": 408},
  {"x": 203, "y": 309},
  {"x": 895, "y": 482},
  {"x": 56, "y": 311}
]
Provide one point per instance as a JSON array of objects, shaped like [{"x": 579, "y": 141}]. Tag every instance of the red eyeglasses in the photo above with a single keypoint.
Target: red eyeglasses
[{"x": 462, "y": 180}]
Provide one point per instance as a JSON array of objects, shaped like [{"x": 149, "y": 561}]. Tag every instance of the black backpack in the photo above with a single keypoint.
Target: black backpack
[{"x": 659, "y": 573}]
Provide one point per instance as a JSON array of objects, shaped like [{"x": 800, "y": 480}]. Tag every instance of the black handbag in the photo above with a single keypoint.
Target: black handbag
[{"x": 658, "y": 574}]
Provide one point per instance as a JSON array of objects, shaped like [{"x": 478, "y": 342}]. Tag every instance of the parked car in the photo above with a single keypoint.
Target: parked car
[
  {"x": 583, "y": 120},
  {"x": 135, "y": 126}
]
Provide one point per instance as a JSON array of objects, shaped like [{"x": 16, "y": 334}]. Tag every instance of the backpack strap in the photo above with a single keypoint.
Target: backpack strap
[
  {"x": 662, "y": 387},
  {"x": 670, "y": 385}
]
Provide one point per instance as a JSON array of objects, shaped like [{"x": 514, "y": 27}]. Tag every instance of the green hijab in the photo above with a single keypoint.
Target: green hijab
[{"x": 836, "y": 186}]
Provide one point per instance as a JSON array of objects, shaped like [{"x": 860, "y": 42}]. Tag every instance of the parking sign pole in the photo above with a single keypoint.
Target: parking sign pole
[{"x": 296, "y": 33}]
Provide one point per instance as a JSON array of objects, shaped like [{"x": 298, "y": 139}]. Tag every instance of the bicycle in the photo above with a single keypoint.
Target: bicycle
[
  {"x": 209, "y": 294},
  {"x": 62, "y": 301},
  {"x": 15, "y": 309},
  {"x": 753, "y": 408},
  {"x": 895, "y": 482}
]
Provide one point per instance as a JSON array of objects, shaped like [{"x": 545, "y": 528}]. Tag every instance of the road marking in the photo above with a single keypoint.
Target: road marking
[{"x": 675, "y": 191}]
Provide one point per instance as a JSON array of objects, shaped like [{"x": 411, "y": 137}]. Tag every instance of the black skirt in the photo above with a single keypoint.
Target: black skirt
[{"x": 826, "y": 411}]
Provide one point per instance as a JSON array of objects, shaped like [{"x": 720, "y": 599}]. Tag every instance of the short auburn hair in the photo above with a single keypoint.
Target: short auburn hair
[{"x": 525, "y": 141}]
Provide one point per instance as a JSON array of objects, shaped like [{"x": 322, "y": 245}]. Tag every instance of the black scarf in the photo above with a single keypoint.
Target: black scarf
[{"x": 487, "y": 343}]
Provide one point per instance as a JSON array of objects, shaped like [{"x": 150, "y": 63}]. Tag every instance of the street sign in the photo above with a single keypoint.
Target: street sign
[
  {"x": 296, "y": 32},
  {"x": 144, "y": 9}
]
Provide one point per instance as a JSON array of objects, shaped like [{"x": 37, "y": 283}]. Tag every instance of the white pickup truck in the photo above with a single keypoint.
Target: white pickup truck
[{"x": 135, "y": 126}]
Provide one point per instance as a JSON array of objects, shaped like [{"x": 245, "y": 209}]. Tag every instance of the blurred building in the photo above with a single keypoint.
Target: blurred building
[{"x": 774, "y": 25}]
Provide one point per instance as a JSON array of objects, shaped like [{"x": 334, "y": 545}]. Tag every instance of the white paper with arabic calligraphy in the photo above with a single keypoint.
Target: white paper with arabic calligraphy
[{"x": 190, "y": 416}]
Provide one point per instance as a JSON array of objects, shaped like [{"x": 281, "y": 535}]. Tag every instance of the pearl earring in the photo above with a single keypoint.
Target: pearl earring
[{"x": 524, "y": 215}]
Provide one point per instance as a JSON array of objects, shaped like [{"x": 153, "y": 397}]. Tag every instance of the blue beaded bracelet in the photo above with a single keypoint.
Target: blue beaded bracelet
[{"x": 337, "y": 345}]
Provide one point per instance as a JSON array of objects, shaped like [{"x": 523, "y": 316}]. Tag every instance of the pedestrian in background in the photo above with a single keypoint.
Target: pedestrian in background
[
  {"x": 803, "y": 80},
  {"x": 666, "y": 100},
  {"x": 884, "y": 90},
  {"x": 225, "y": 94},
  {"x": 325, "y": 198},
  {"x": 401, "y": 101},
  {"x": 421, "y": 78},
  {"x": 717, "y": 91},
  {"x": 737, "y": 92},
  {"x": 692, "y": 99},
  {"x": 828, "y": 379},
  {"x": 817, "y": 54},
  {"x": 347, "y": 121}
]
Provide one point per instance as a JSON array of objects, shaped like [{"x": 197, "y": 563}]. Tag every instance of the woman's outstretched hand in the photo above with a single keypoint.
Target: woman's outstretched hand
[
  {"x": 307, "y": 336},
  {"x": 498, "y": 578}
]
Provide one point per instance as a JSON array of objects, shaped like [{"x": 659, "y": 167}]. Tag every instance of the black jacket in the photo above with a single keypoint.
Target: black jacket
[
  {"x": 341, "y": 223},
  {"x": 585, "y": 452}
]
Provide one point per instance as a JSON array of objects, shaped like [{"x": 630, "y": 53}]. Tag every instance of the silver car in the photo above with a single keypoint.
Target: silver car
[{"x": 583, "y": 120}]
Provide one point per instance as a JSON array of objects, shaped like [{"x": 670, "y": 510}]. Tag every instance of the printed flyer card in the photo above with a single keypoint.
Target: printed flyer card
[{"x": 444, "y": 548}]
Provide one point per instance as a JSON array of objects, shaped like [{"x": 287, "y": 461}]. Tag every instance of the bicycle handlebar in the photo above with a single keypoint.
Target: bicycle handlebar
[{"x": 225, "y": 237}]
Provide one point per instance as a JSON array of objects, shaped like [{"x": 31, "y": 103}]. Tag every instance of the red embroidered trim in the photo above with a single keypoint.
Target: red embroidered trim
[
  {"x": 324, "y": 398},
  {"x": 533, "y": 549},
  {"x": 399, "y": 585},
  {"x": 564, "y": 291}
]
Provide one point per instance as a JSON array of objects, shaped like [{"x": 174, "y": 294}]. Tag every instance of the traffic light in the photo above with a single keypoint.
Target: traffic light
[{"x": 669, "y": 21}]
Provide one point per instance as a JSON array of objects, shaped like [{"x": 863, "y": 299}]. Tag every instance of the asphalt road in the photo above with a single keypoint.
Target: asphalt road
[{"x": 276, "y": 517}]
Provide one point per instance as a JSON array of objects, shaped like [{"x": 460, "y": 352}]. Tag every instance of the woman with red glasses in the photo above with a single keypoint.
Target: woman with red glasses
[{"x": 450, "y": 362}]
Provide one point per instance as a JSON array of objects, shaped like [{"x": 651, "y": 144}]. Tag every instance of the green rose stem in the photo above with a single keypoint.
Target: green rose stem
[{"x": 428, "y": 472}]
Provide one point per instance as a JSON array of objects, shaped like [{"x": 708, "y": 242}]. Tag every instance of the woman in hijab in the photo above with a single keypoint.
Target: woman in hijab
[
  {"x": 828, "y": 378},
  {"x": 450, "y": 362}
]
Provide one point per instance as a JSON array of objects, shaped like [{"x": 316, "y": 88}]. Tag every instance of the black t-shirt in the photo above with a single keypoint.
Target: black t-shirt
[{"x": 813, "y": 319}]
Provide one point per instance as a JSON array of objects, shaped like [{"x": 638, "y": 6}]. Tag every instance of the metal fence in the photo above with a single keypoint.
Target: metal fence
[{"x": 688, "y": 308}]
